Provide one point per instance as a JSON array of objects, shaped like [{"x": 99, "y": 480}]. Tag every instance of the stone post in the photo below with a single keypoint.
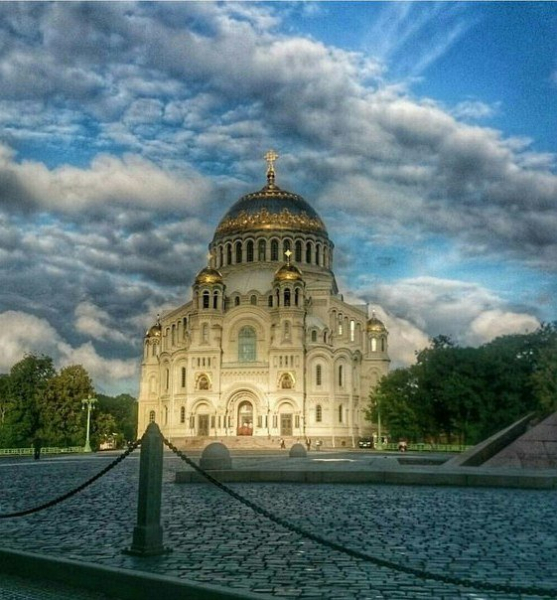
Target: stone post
[{"x": 147, "y": 534}]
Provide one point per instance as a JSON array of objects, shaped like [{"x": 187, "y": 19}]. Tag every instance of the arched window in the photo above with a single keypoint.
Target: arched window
[
  {"x": 340, "y": 329},
  {"x": 221, "y": 255},
  {"x": 287, "y": 330},
  {"x": 286, "y": 382},
  {"x": 270, "y": 300},
  {"x": 352, "y": 330},
  {"x": 229, "y": 254},
  {"x": 296, "y": 296},
  {"x": 340, "y": 410},
  {"x": 318, "y": 413},
  {"x": 262, "y": 250},
  {"x": 314, "y": 335},
  {"x": 274, "y": 250},
  {"x": 205, "y": 333},
  {"x": 253, "y": 300},
  {"x": 308, "y": 252},
  {"x": 382, "y": 344},
  {"x": 205, "y": 299},
  {"x": 285, "y": 247},
  {"x": 247, "y": 344},
  {"x": 183, "y": 380},
  {"x": 298, "y": 251},
  {"x": 152, "y": 416},
  {"x": 215, "y": 299},
  {"x": 287, "y": 297},
  {"x": 183, "y": 414},
  {"x": 340, "y": 376},
  {"x": 167, "y": 378},
  {"x": 238, "y": 252},
  {"x": 317, "y": 254},
  {"x": 237, "y": 301},
  {"x": 203, "y": 382},
  {"x": 249, "y": 251},
  {"x": 318, "y": 375},
  {"x": 374, "y": 344}
]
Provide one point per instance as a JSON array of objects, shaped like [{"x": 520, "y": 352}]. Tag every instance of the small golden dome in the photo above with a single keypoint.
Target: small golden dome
[
  {"x": 155, "y": 331},
  {"x": 288, "y": 272},
  {"x": 374, "y": 325},
  {"x": 208, "y": 275}
]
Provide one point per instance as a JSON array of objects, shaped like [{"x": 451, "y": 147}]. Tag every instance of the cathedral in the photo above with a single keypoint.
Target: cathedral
[{"x": 267, "y": 348}]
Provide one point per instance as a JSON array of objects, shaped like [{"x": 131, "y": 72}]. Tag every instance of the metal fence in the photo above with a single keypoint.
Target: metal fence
[{"x": 31, "y": 451}]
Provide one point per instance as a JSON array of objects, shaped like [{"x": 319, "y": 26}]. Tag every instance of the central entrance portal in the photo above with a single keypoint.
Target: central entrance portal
[
  {"x": 245, "y": 418},
  {"x": 203, "y": 425},
  {"x": 286, "y": 424}
]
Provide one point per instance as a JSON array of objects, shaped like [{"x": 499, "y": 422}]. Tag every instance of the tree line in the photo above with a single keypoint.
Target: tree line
[
  {"x": 39, "y": 405},
  {"x": 462, "y": 394}
]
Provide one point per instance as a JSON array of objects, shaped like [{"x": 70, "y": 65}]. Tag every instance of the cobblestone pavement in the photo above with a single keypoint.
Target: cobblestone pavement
[
  {"x": 18, "y": 588},
  {"x": 496, "y": 535}
]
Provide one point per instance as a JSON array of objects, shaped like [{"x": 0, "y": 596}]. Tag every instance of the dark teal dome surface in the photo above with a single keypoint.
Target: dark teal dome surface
[{"x": 268, "y": 209}]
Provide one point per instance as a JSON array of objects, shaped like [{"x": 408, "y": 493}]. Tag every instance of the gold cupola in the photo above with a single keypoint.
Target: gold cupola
[
  {"x": 156, "y": 330},
  {"x": 288, "y": 271},
  {"x": 208, "y": 276},
  {"x": 374, "y": 325}
]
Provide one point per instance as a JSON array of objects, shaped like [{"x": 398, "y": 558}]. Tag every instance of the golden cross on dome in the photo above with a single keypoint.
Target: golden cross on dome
[
  {"x": 288, "y": 254},
  {"x": 270, "y": 157}
]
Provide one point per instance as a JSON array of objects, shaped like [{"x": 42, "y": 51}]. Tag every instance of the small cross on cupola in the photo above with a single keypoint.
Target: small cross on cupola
[{"x": 270, "y": 157}]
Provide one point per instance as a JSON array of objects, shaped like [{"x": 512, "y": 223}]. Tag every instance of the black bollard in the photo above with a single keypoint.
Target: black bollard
[{"x": 147, "y": 534}]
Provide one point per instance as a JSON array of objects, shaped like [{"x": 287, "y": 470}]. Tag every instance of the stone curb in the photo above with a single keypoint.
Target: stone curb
[
  {"x": 124, "y": 584},
  {"x": 460, "y": 478}
]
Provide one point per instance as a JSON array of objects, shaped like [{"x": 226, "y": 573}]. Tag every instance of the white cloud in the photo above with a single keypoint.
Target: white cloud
[
  {"x": 90, "y": 320},
  {"x": 22, "y": 333},
  {"x": 475, "y": 109},
  {"x": 128, "y": 181},
  {"x": 494, "y": 323},
  {"x": 421, "y": 308}
]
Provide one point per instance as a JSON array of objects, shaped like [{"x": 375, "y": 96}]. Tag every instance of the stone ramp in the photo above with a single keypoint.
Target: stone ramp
[
  {"x": 482, "y": 452},
  {"x": 535, "y": 449}
]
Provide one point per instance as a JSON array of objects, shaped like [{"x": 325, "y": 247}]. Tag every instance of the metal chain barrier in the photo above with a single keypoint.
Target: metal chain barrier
[
  {"x": 78, "y": 489},
  {"x": 380, "y": 562}
]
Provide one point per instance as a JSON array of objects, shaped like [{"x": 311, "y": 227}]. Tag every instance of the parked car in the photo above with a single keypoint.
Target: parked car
[{"x": 365, "y": 443}]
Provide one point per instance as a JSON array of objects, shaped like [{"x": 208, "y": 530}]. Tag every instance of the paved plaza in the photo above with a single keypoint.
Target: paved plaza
[{"x": 483, "y": 534}]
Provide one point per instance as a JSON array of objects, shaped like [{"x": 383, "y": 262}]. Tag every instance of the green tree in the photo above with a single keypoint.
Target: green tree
[
  {"x": 4, "y": 397},
  {"x": 470, "y": 393},
  {"x": 123, "y": 409},
  {"x": 62, "y": 417},
  {"x": 544, "y": 377},
  {"x": 28, "y": 381}
]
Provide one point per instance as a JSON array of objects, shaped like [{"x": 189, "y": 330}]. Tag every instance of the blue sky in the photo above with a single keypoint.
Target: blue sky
[{"x": 423, "y": 133}]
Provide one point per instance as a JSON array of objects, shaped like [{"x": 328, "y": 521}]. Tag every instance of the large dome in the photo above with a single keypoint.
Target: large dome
[{"x": 271, "y": 208}]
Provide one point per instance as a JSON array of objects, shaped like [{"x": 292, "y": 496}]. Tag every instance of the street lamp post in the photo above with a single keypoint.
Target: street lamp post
[
  {"x": 379, "y": 438},
  {"x": 89, "y": 402}
]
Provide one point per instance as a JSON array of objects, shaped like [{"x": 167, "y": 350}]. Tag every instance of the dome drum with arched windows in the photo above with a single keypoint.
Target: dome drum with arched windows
[{"x": 266, "y": 347}]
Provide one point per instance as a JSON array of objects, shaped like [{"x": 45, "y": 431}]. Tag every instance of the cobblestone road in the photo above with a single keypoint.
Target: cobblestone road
[{"x": 495, "y": 535}]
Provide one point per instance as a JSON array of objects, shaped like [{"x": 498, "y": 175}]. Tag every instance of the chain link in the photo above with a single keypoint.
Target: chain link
[
  {"x": 78, "y": 489},
  {"x": 380, "y": 562}
]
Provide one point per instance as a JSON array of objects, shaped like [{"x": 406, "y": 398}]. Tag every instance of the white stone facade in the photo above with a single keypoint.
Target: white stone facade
[{"x": 267, "y": 347}]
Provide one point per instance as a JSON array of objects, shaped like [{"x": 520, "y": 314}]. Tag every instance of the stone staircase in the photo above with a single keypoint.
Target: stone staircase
[{"x": 240, "y": 442}]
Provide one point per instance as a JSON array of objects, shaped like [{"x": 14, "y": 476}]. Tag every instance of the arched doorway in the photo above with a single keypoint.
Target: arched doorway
[
  {"x": 245, "y": 418},
  {"x": 286, "y": 419},
  {"x": 201, "y": 419}
]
